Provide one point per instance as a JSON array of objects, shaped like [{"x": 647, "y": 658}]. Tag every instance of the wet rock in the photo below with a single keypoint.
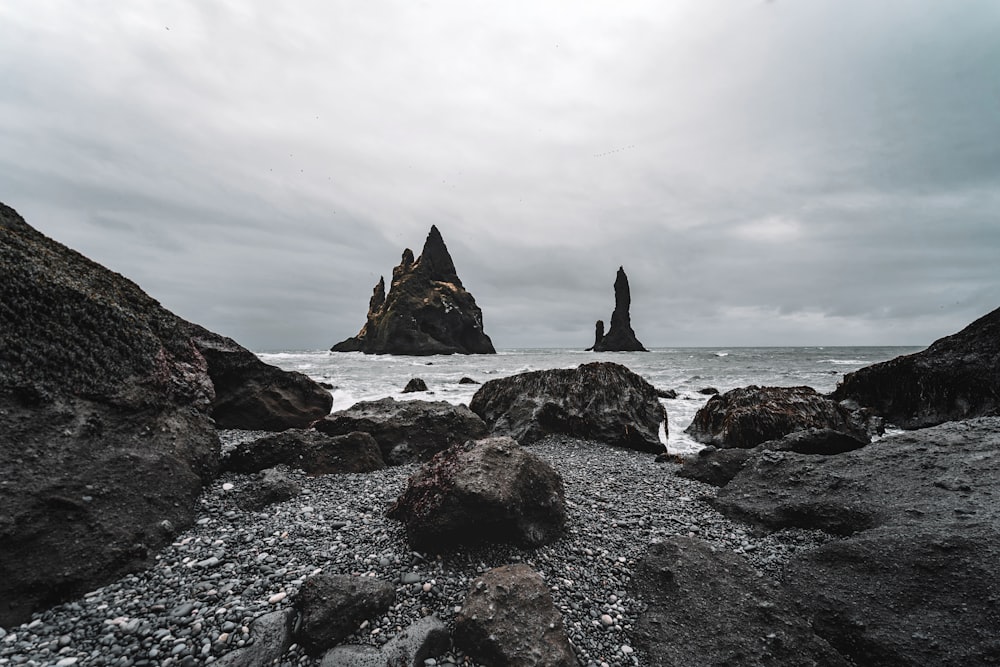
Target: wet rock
[
  {"x": 415, "y": 385},
  {"x": 715, "y": 466},
  {"x": 620, "y": 337},
  {"x": 489, "y": 490},
  {"x": 309, "y": 450},
  {"x": 599, "y": 401},
  {"x": 957, "y": 377},
  {"x": 407, "y": 431},
  {"x": 708, "y": 391},
  {"x": 423, "y": 639},
  {"x": 666, "y": 393},
  {"x": 271, "y": 635},
  {"x": 331, "y": 607},
  {"x": 427, "y": 310},
  {"x": 267, "y": 488},
  {"x": 468, "y": 380},
  {"x": 508, "y": 618}
]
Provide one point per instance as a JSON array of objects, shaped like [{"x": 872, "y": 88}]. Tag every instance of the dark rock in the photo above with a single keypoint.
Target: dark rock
[
  {"x": 598, "y": 334},
  {"x": 488, "y": 490},
  {"x": 508, "y": 619},
  {"x": 267, "y": 488},
  {"x": 598, "y": 401},
  {"x": 709, "y": 607},
  {"x": 331, "y": 607},
  {"x": 823, "y": 441},
  {"x": 271, "y": 635},
  {"x": 957, "y": 377},
  {"x": 715, "y": 466},
  {"x": 666, "y": 393},
  {"x": 468, "y": 381},
  {"x": 427, "y": 310},
  {"x": 620, "y": 337},
  {"x": 423, "y": 639},
  {"x": 309, "y": 450},
  {"x": 708, "y": 391},
  {"x": 252, "y": 395},
  {"x": 407, "y": 431},
  {"x": 748, "y": 416},
  {"x": 354, "y": 655},
  {"x": 414, "y": 385}
]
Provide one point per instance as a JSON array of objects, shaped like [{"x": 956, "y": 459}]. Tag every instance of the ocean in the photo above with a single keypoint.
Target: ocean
[{"x": 356, "y": 376}]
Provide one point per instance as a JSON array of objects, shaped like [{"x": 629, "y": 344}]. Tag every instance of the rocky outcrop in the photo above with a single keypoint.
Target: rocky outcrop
[
  {"x": 620, "y": 337},
  {"x": 709, "y": 607},
  {"x": 332, "y": 606},
  {"x": 309, "y": 450},
  {"x": 407, "y": 431},
  {"x": 488, "y": 490},
  {"x": 105, "y": 422},
  {"x": 957, "y": 377},
  {"x": 427, "y": 310},
  {"x": 415, "y": 385},
  {"x": 914, "y": 583},
  {"x": 508, "y": 618},
  {"x": 598, "y": 401},
  {"x": 748, "y": 416}
]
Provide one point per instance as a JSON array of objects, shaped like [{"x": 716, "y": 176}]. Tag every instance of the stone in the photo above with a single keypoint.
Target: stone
[
  {"x": 421, "y": 640},
  {"x": 669, "y": 394},
  {"x": 620, "y": 337},
  {"x": 468, "y": 380},
  {"x": 271, "y": 635},
  {"x": 599, "y": 401},
  {"x": 407, "y": 431},
  {"x": 747, "y": 416},
  {"x": 709, "y": 607},
  {"x": 715, "y": 466},
  {"x": 354, "y": 655},
  {"x": 708, "y": 391},
  {"x": 427, "y": 310},
  {"x": 309, "y": 450},
  {"x": 267, "y": 488},
  {"x": 488, "y": 490},
  {"x": 331, "y": 607},
  {"x": 957, "y": 377},
  {"x": 508, "y": 619},
  {"x": 415, "y": 385}
]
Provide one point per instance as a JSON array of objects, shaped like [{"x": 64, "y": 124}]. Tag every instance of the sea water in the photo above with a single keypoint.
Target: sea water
[{"x": 355, "y": 376}]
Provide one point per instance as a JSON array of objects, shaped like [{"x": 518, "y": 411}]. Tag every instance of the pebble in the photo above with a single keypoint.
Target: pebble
[{"x": 277, "y": 597}]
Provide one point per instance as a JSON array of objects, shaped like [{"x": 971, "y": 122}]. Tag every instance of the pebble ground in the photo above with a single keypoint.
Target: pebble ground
[{"x": 196, "y": 603}]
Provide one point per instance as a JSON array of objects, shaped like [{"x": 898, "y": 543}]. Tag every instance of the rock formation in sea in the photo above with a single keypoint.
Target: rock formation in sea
[
  {"x": 620, "y": 337},
  {"x": 106, "y": 429},
  {"x": 427, "y": 310},
  {"x": 957, "y": 377}
]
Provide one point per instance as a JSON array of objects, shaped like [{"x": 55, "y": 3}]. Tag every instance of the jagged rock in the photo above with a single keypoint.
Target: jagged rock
[
  {"x": 957, "y": 377},
  {"x": 423, "y": 639},
  {"x": 271, "y": 635},
  {"x": 407, "y": 431},
  {"x": 488, "y": 490},
  {"x": 467, "y": 380},
  {"x": 915, "y": 582},
  {"x": 266, "y": 488},
  {"x": 598, "y": 335},
  {"x": 709, "y": 607},
  {"x": 620, "y": 337},
  {"x": 508, "y": 619},
  {"x": 748, "y": 416},
  {"x": 415, "y": 385},
  {"x": 427, "y": 310},
  {"x": 669, "y": 394},
  {"x": 332, "y": 606},
  {"x": 708, "y": 391},
  {"x": 598, "y": 401},
  {"x": 309, "y": 450},
  {"x": 715, "y": 466}
]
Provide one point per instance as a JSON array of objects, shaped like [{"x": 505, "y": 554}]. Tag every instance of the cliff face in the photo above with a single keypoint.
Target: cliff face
[
  {"x": 427, "y": 310},
  {"x": 620, "y": 337}
]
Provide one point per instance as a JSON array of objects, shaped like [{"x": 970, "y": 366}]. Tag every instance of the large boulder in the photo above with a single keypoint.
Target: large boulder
[
  {"x": 620, "y": 337},
  {"x": 105, "y": 422},
  {"x": 332, "y": 606},
  {"x": 709, "y": 607},
  {"x": 407, "y": 431},
  {"x": 309, "y": 450},
  {"x": 489, "y": 490},
  {"x": 748, "y": 416},
  {"x": 599, "y": 401},
  {"x": 914, "y": 583},
  {"x": 427, "y": 310},
  {"x": 410, "y": 647},
  {"x": 957, "y": 377},
  {"x": 508, "y": 619}
]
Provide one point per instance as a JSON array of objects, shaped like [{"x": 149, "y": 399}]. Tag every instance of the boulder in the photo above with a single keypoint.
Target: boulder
[
  {"x": 599, "y": 401},
  {"x": 415, "y": 385},
  {"x": 331, "y": 607},
  {"x": 748, "y": 416},
  {"x": 620, "y": 337},
  {"x": 508, "y": 619},
  {"x": 309, "y": 450},
  {"x": 667, "y": 393},
  {"x": 488, "y": 490},
  {"x": 266, "y": 488},
  {"x": 957, "y": 377},
  {"x": 914, "y": 582},
  {"x": 421, "y": 640},
  {"x": 709, "y": 607},
  {"x": 467, "y": 380},
  {"x": 427, "y": 310},
  {"x": 715, "y": 466},
  {"x": 271, "y": 635},
  {"x": 708, "y": 391},
  {"x": 407, "y": 431}
]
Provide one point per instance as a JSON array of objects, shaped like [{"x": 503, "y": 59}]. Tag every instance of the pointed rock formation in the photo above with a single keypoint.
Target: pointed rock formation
[
  {"x": 427, "y": 310},
  {"x": 620, "y": 337}
]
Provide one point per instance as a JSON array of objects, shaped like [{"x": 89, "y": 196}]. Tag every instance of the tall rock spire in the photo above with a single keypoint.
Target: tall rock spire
[
  {"x": 435, "y": 261},
  {"x": 620, "y": 337}
]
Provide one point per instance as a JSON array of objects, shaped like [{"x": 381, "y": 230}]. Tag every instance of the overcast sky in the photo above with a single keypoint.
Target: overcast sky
[{"x": 792, "y": 172}]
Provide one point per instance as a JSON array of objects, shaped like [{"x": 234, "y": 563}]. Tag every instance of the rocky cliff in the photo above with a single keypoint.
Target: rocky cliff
[
  {"x": 620, "y": 337},
  {"x": 427, "y": 310}
]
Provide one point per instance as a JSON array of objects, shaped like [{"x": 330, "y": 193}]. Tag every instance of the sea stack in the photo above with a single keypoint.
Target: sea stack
[
  {"x": 620, "y": 337},
  {"x": 427, "y": 310}
]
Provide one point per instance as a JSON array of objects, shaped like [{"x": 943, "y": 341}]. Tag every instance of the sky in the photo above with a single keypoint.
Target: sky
[{"x": 783, "y": 172}]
